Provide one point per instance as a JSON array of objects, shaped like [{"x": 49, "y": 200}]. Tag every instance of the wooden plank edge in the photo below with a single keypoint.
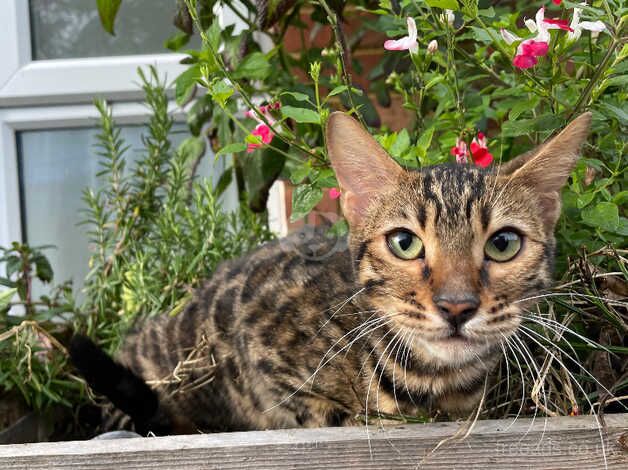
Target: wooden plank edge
[{"x": 435, "y": 432}]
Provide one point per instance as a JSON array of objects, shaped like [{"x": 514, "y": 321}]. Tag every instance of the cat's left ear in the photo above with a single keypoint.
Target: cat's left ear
[
  {"x": 546, "y": 169},
  {"x": 363, "y": 168}
]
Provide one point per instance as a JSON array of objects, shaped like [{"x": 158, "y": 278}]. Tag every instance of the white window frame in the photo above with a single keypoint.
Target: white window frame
[{"x": 59, "y": 93}]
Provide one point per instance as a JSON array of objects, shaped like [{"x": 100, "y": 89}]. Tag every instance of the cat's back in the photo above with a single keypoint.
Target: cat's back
[{"x": 270, "y": 297}]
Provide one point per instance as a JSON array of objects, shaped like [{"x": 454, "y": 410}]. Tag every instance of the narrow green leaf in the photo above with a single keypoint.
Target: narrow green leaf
[
  {"x": 296, "y": 95},
  {"x": 236, "y": 147},
  {"x": 185, "y": 84},
  {"x": 434, "y": 81},
  {"x": 5, "y": 297},
  {"x": 107, "y": 11},
  {"x": 424, "y": 142},
  {"x": 339, "y": 89}
]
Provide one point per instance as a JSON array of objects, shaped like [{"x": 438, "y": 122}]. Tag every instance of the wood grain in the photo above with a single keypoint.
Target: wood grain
[{"x": 556, "y": 443}]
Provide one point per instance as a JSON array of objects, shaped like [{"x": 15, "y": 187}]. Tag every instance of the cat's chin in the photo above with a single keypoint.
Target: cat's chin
[{"x": 451, "y": 350}]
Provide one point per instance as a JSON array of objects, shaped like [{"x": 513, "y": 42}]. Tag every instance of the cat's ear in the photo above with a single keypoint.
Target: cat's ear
[
  {"x": 362, "y": 166},
  {"x": 547, "y": 168}
]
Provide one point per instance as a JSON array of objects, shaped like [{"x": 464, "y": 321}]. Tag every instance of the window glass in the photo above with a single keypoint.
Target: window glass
[
  {"x": 55, "y": 167},
  {"x": 71, "y": 28}
]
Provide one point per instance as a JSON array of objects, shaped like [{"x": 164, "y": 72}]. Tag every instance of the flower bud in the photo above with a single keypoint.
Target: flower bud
[
  {"x": 450, "y": 17},
  {"x": 432, "y": 47}
]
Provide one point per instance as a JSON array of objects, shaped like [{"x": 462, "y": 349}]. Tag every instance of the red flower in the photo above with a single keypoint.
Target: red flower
[
  {"x": 479, "y": 150},
  {"x": 334, "y": 193},
  {"x": 562, "y": 24},
  {"x": 534, "y": 48},
  {"x": 557, "y": 2}
]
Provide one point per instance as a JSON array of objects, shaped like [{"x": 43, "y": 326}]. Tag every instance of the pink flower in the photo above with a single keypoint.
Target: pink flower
[
  {"x": 460, "y": 151},
  {"x": 479, "y": 150},
  {"x": 529, "y": 49},
  {"x": 334, "y": 193},
  {"x": 406, "y": 43},
  {"x": 262, "y": 131},
  {"x": 557, "y": 2}
]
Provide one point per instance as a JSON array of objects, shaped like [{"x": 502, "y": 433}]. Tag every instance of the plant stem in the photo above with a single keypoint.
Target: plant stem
[
  {"x": 218, "y": 58},
  {"x": 341, "y": 47},
  {"x": 599, "y": 71}
]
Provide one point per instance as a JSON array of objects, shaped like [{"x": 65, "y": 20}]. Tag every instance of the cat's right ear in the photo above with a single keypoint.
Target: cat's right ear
[{"x": 363, "y": 168}]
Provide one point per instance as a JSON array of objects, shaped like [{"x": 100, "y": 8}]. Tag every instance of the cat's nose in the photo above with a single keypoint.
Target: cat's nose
[{"x": 457, "y": 311}]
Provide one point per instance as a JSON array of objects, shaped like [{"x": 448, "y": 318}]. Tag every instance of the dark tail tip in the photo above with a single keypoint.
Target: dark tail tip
[{"x": 127, "y": 391}]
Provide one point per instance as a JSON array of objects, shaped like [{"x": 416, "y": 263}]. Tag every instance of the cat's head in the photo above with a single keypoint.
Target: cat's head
[{"x": 452, "y": 254}]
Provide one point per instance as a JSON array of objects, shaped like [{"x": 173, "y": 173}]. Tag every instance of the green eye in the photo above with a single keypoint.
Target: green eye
[
  {"x": 503, "y": 246},
  {"x": 405, "y": 244}
]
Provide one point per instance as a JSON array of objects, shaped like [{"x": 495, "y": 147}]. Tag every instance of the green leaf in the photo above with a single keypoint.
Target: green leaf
[
  {"x": 302, "y": 115},
  {"x": 434, "y": 81},
  {"x": 444, "y": 4},
  {"x": 176, "y": 41},
  {"x": 254, "y": 66},
  {"x": 224, "y": 181},
  {"x": 304, "y": 198},
  {"x": 480, "y": 34},
  {"x": 621, "y": 198},
  {"x": 108, "y": 10},
  {"x": 43, "y": 269},
  {"x": 487, "y": 12},
  {"x": 546, "y": 122},
  {"x": 299, "y": 173},
  {"x": 185, "y": 84},
  {"x": 339, "y": 229},
  {"x": 220, "y": 92},
  {"x": 622, "y": 228},
  {"x": 402, "y": 142},
  {"x": 613, "y": 111},
  {"x": 296, "y": 95},
  {"x": 604, "y": 215},
  {"x": 424, "y": 142},
  {"x": 5, "y": 297},
  {"x": 585, "y": 199},
  {"x": 213, "y": 35},
  {"x": 522, "y": 106},
  {"x": 236, "y": 147}
]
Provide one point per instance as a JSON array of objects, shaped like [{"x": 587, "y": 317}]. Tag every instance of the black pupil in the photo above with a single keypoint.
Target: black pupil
[
  {"x": 502, "y": 240},
  {"x": 405, "y": 240}
]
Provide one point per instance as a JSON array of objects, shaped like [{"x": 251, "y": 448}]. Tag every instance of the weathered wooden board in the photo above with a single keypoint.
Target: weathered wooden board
[{"x": 569, "y": 443}]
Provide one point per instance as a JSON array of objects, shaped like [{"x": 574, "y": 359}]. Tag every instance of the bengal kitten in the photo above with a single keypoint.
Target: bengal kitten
[{"x": 407, "y": 318}]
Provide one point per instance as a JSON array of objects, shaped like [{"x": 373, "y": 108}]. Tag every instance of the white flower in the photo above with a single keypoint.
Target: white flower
[
  {"x": 540, "y": 26},
  {"x": 578, "y": 26}
]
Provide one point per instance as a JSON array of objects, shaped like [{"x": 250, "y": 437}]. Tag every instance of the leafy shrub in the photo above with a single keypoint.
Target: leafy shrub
[
  {"x": 156, "y": 231},
  {"x": 33, "y": 362}
]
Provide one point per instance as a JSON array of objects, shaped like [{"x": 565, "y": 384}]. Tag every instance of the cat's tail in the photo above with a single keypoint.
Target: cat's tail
[{"x": 127, "y": 391}]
